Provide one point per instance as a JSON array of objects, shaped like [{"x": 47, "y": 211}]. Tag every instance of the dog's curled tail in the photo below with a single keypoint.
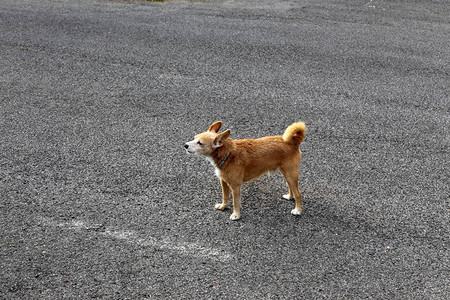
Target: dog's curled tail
[{"x": 295, "y": 133}]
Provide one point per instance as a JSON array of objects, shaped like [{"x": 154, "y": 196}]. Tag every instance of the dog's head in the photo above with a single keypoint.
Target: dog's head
[{"x": 206, "y": 142}]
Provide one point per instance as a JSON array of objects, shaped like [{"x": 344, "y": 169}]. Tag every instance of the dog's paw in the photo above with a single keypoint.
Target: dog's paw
[
  {"x": 295, "y": 212},
  {"x": 220, "y": 206},
  {"x": 234, "y": 217},
  {"x": 287, "y": 197}
]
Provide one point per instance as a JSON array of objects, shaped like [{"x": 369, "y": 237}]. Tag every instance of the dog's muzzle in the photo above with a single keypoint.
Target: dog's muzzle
[{"x": 186, "y": 146}]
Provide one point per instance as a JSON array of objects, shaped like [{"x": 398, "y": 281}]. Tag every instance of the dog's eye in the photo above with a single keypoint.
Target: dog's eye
[{"x": 200, "y": 143}]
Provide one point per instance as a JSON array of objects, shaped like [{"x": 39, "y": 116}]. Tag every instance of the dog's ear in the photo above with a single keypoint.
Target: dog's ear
[
  {"x": 215, "y": 127},
  {"x": 220, "y": 139}
]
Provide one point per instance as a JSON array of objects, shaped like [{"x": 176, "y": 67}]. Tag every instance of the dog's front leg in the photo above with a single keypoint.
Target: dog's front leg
[
  {"x": 225, "y": 195},
  {"x": 236, "y": 190},
  {"x": 289, "y": 195}
]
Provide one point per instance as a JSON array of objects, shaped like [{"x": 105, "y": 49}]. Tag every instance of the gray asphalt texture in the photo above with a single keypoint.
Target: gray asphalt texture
[{"x": 100, "y": 200}]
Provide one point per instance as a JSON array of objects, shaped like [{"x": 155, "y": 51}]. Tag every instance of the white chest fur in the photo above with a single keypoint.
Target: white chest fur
[{"x": 216, "y": 169}]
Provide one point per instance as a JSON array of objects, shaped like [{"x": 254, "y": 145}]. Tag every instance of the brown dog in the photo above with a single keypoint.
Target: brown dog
[{"x": 239, "y": 161}]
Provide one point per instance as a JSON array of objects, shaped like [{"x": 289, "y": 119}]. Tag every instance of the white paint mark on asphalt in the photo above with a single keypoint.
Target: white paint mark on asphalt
[{"x": 132, "y": 237}]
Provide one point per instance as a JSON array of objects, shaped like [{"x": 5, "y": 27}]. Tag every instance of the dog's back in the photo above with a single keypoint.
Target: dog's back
[{"x": 260, "y": 156}]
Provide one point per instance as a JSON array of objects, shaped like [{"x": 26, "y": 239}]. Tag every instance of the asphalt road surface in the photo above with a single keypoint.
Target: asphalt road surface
[{"x": 100, "y": 200}]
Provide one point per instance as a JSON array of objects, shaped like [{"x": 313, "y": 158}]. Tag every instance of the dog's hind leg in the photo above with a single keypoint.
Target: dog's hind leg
[
  {"x": 225, "y": 195},
  {"x": 291, "y": 176}
]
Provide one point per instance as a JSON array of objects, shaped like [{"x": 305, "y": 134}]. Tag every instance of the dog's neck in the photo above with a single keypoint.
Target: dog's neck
[
  {"x": 223, "y": 160},
  {"x": 221, "y": 154}
]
